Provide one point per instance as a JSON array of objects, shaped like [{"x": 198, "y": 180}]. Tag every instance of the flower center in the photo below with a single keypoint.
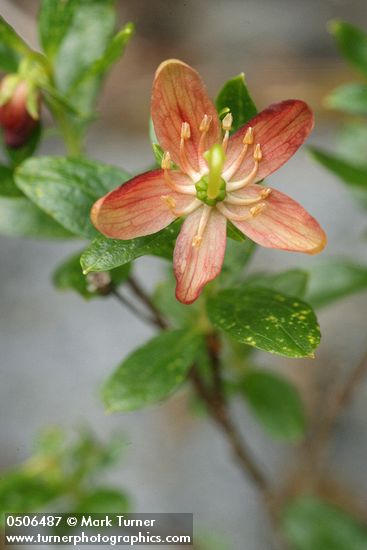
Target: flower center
[
  {"x": 214, "y": 184},
  {"x": 202, "y": 191},
  {"x": 211, "y": 188}
]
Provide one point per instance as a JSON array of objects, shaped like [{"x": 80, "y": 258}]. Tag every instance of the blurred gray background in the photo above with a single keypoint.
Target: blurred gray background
[{"x": 56, "y": 350}]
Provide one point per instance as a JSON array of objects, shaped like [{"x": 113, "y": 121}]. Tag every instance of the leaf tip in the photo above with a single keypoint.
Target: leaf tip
[{"x": 333, "y": 26}]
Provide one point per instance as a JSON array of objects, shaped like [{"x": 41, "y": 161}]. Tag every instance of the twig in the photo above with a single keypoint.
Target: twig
[
  {"x": 130, "y": 306},
  {"x": 214, "y": 399},
  {"x": 220, "y": 414}
]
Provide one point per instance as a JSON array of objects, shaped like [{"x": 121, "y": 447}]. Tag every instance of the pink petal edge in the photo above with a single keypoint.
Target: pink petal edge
[
  {"x": 280, "y": 129},
  {"x": 178, "y": 96},
  {"x": 195, "y": 266},
  {"x": 136, "y": 208},
  {"x": 283, "y": 224}
]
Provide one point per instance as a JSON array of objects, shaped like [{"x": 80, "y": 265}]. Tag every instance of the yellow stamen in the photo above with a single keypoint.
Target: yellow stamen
[
  {"x": 204, "y": 128},
  {"x": 232, "y": 199},
  {"x": 227, "y": 122},
  {"x": 265, "y": 193},
  {"x": 185, "y": 130},
  {"x": 170, "y": 201},
  {"x": 250, "y": 178},
  {"x": 166, "y": 163},
  {"x": 254, "y": 211},
  {"x": 205, "y": 123},
  {"x": 247, "y": 140},
  {"x": 249, "y": 136},
  {"x": 258, "y": 153},
  {"x": 197, "y": 240},
  {"x": 227, "y": 126},
  {"x": 184, "y": 161}
]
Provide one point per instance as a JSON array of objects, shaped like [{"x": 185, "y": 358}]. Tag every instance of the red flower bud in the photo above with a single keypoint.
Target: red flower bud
[{"x": 15, "y": 119}]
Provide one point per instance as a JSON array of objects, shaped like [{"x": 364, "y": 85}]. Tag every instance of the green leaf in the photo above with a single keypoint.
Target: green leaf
[
  {"x": 67, "y": 188},
  {"x": 352, "y": 142},
  {"x": 104, "y": 254},
  {"x": 54, "y": 20},
  {"x": 152, "y": 372},
  {"x": 113, "y": 52},
  {"x": 85, "y": 41},
  {"x": 292, "y": 282},
  {"x": 21, "y": 492},
  {"x": 11, "y": 40},
  {"x": 275, "y": 402},
  {"x": 9, "y": 59},
  {"x": 236, "y": 97},
  {"x": 103, "y": 501},
  {"x": 312, "y": 524},
  {"x": 335, "y": 279},
  {"x": 157, "y": 149},
  {"x": 69, "y": 276},
  {"x": 352, "y": 43},
  {"x": 234, "y": 233},
  {"x": 266, "y": 319},
  {"x": 351, "y": 98},
  {"x": 237, "y": 256},
  {"x": 19, "y": 217},
  {"x": 347, "y": 172}
]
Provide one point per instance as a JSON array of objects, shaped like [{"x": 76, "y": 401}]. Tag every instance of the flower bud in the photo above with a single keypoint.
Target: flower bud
[{"x": 15, "y": 118}]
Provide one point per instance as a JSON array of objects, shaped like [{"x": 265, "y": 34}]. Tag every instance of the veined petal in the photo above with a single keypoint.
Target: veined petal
[
  {"x": 283, "y": 223},
  {"x": 136, "y": 208},
  {"x": 178, "y": 96},
  {"x": 197, "y": 265},
  {"x": 280, "y": 130}
]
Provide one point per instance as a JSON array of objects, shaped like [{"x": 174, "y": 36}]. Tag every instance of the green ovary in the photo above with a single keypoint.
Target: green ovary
[{"x": 202, "y": 191}]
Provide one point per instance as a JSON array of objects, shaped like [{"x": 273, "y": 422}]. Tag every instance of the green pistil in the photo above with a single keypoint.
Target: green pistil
[
  {"x": 215, "y": 158},
  {"x": 202, "y": 191}
]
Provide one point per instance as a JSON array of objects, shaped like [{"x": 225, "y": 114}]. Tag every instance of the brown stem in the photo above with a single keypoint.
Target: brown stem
[
  {"x": 220, "y": 414},
  {"x": 140, "y": 293},
  {"x": 214, "y": 399},
  {"x": 130, "y": 306}
]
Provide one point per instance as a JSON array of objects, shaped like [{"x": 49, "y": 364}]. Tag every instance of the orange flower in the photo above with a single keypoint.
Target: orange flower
[{"x": 216, "y": 181}]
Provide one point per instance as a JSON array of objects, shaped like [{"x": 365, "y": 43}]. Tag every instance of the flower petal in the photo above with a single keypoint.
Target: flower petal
[
  {"x": 196, "y": 266},
  {"x": 178, "y": 96},
  {"x": 280, "y": 129},
  {"x": 136, "y": 208},
  {"x": 283, "y": 223}
]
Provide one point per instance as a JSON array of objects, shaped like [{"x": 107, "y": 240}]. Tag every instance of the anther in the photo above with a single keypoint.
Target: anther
[
  {"x": 265, "y": 193},
  {"x": 255, "y": 210},
  {"x": 185, "y": 131},
  {"x": 227, "y": 126},
  {"x": 247, "y": 140},
  {"x": 227, "y": 122},
  {"x": 184, "y": 161},
  {"x": 170, "y": 201},
  {"x": 197, "y": 240},
  {"x": 204, "y": 128},
  {"x": 258, "y": 153},
  {"x": 166, "y": 163},
  {"x": 249, "y": 136},
  {"x": 205, "y": 123}
]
